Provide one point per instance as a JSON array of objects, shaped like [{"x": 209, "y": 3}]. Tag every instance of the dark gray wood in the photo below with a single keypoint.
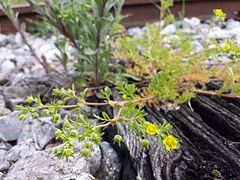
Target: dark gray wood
[{"x": 209, "y": 143}]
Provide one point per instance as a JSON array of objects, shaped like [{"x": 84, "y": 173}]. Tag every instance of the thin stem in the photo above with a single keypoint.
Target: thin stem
[
  {"x": 98, "y": 41},
  {"x": 147, "y": 98},
  {"x": 116, "y": 117},
  {"x": 230, "y": 96}
]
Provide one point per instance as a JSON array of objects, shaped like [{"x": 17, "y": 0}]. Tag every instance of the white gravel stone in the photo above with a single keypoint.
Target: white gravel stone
[
  {"x": 169, "y": 29},
  {"x": 135, "y": 32},
  {"x": 194, "y": 22},
  {"x": 231, "y": 23},
  {"x": 196, "y": 46},
  {"x": 7, "y": 67}
]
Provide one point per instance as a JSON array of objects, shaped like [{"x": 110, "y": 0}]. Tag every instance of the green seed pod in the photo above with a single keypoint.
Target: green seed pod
[
  {"x": 45, "y": 112},
  {"x": 66, "y": 124},
  {"x": 35, "y": 115},
  {"x": 74, "y": 133},
  {"x": 30, "y": 99},
  {"x": 22, "y": 117},
  {"x": 58, "y": 133},
  {"x": 55, "y": 118},
  {"x": 118, "y": 139},
  {"x": 145, "y": 144},
  {"x": 68, "y": 152},
  {"x": 95, "y": 138},
  {"x": 88, "y": 145},
  {"x": 85, "y": 152}
]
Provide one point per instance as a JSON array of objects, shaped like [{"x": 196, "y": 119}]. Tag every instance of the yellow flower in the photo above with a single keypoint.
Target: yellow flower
[
  {"x": 226, "y": 47},
  {"x": 152, "y": 129},
  {"x": 219, "y": 14},
  {"x": 170, "y": 142}
]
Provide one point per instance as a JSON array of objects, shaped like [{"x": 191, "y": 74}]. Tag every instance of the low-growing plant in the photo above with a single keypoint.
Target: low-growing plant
[
  {"x": 128, "y": 111},
  {"x": 173, "y": 74}
]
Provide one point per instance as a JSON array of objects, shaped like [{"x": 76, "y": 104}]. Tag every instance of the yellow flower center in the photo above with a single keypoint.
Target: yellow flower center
[{"x": 169, "y": 142}]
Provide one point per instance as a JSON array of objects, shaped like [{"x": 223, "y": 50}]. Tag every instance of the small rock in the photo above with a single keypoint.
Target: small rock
[
  {"x": 21, "y": 150},
  {"x": 110, "y": 163},
  {"x": 7, "y": 66},
  {"x": 169, "y": 29},
  {"x": 1, "y": 175},
  {"x": 83, "y": 176},
  {"x": 10, "y": 127},
  {"x": 4, "y": 147},
  {"x": 235, "y": 31},
  {"x": 135, "y": 32},
  {"x": 4, "y": 111},
  {"x": 3, "y": 40},
  {"x": 15, "y": 95},
  {"x": 194, "y": 22},
  {"x": 18, "y": 38},
  {"x": 3, "y": 78},
  {"x": 196, "y": 46},
  {"x": 2, "y": 101},
  {"x": 219, "y": 34},
  {"x": 40, "y": 131},
  {"x": 51, "y": 55},
  {"x": 231, "y": 23},
  {"x": 45, "y": 48}
]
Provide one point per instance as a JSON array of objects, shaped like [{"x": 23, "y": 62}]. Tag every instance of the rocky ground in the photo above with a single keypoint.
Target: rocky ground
[{"x": 26, "y": 147}]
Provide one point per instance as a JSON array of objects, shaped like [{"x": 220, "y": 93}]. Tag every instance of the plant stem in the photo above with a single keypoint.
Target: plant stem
[
  {"x": 116, "y": 117},
  {"x": 230, "y": 96},
  {"x": 147, "y": 98},
  {"x": 98, "y": 41}
]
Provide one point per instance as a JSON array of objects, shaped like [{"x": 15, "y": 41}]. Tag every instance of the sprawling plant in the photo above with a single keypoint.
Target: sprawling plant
[
  {"x": 170, "y": 70},
  {"x": 128, "y": 111},
  {"x": 90, "y": 26}
]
